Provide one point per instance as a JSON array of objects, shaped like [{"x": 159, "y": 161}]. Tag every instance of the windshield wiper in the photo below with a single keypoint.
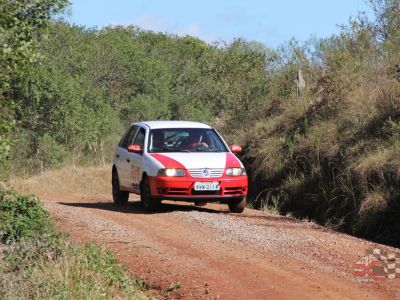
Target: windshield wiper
[
  {"x": 174, "y": 150},
  {"x": 208, "y": 150}
]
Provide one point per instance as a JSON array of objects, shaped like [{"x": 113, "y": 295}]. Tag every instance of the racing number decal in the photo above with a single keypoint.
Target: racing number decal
[{"x": 135, "y": 171}]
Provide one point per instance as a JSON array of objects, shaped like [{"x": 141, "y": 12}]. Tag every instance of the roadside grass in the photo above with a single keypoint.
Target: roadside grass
[
  {"x": 334, "y": 161},
  {"x": 37, "y": 262},
  {"x": 266, "y": 204},
  {"x": 93, "y": 180}
]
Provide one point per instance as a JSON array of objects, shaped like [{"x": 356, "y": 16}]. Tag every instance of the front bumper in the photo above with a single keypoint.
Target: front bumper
[{"x": 182, "y": 188}]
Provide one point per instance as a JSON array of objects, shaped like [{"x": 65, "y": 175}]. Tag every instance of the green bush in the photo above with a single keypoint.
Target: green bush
[
  {"x": 22, "y": 217},
  {"x": 37, "y": 262}
]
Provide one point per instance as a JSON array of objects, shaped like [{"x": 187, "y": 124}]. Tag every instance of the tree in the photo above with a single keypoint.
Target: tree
[
  {"x": 21, "y": 26},
  {"x": 387, "y": 13},
  {"x": 387, "y": 26}
]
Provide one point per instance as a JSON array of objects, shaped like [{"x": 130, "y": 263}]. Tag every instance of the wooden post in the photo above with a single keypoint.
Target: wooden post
[
  {"x": 41, "y": 167},
  {"x": 300, "y": 83}
]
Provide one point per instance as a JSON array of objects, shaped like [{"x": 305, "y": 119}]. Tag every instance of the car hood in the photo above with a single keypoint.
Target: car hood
[{"x": 198, "y": 160}]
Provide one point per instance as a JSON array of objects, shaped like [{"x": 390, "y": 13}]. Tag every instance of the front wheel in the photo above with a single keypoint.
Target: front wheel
[
  {"x": 119, "y": 197},
  {"x": 148, "y": 202},
  {"x": 237, "y": 206}
]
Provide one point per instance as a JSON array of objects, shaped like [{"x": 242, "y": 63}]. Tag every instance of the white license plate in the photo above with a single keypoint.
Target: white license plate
[{"x": 206, "y": 186}]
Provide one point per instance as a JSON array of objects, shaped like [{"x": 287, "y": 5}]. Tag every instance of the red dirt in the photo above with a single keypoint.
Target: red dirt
[{"x": 168, "y": 247}]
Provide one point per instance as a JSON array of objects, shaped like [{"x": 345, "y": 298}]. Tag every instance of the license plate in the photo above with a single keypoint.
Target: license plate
[{"x": 206, "y": 186}]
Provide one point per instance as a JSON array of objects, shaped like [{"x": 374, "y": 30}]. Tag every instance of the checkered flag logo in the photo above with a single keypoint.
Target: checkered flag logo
[
  {"x": 391, "y": 261},
  {"x": 377, "y": 265}
]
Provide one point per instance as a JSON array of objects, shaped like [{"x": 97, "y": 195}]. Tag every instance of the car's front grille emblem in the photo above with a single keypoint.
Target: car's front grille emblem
[{"x": 206, "y": 173}]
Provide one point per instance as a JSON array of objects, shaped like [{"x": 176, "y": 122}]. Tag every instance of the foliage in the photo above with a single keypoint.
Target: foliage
[
  {"x": 332, "y": 155},
  {"x": 21, "y": 24},
  {"x": 21, "y": 217},
  {"x": 73, "y": 104},
  {"x": 37, "y": 262}
]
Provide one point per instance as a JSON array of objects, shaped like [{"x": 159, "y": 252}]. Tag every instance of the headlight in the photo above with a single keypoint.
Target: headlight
[
  {"x": 171, "y": 172},
  {"x": 235, "y": 172}
]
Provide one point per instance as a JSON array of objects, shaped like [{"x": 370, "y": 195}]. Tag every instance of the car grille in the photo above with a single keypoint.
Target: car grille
[{"x": 199, "y": 173}]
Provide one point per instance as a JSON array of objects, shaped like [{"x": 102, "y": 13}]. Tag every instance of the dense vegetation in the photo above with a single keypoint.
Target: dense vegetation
[
  {"x": 329, "y": 152},
  {"x": 90, "y": 83},
  {"x": 333, "y": 155},
  {"x": 37, "y": 262}
]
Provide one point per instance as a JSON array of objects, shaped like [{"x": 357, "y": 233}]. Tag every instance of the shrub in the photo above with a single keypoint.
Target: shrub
[
  {"x": 22, "y": 217},
  {"x": 388, "y": 102},
  {"x": 37, "y": 262}
]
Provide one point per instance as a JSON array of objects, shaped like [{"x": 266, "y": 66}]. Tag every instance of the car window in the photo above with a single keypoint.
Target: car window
[
  {"x": 139, "y": 140},
  {"x": 185, "y": 140},
  {"x": 129, "y": 137},
  {"x": 121, "y": 141}
]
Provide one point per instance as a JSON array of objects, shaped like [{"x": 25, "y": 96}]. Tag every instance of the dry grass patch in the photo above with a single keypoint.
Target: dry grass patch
[
  {"x": 382, "y": 162},
  {"x": 71, "y": 180},
  {"x": 375, "y": 201}
]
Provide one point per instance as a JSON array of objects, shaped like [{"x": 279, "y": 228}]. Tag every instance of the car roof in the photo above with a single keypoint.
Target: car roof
[{"x": 172, "y": 124}]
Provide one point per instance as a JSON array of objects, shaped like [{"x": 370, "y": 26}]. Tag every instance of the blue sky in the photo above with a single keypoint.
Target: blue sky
[{"x": 269, "y": 22}]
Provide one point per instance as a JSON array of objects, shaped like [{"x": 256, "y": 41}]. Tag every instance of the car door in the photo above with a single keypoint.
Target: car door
[
  {"x": 136, "y": 159},
  {"x": 122, "y": 161}
]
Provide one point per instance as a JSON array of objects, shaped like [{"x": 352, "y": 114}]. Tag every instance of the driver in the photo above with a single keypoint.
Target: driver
[{"x": 193, "y": 141}]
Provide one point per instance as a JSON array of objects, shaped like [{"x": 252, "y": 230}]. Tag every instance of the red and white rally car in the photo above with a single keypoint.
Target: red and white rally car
[{"x": 177, "y": 160}]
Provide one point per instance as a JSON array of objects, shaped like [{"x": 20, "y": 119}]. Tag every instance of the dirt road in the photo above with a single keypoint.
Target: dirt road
[{"x": 209, "y": 253}]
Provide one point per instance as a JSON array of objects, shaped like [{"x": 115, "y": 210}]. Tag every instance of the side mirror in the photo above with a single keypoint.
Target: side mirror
[
  {"x": 134, "y": 149},
  {"x": 236, "y": 148}
]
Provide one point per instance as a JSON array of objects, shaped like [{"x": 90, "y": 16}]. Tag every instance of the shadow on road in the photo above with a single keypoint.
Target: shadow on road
[{"x": 136, "y": 207}]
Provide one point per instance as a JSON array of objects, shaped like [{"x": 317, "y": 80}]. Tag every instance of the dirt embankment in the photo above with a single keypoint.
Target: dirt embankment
[{"x": 209, "y": 253}]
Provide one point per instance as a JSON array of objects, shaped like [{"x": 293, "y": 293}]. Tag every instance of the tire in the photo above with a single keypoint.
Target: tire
[
  {"x": 119, "y": 197},
  {"x": 237, "y": 206},
  {"x": 148, "y": 202}
]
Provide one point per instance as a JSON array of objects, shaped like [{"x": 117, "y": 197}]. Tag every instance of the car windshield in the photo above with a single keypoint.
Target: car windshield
[{"x": 185, "y": 140}]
